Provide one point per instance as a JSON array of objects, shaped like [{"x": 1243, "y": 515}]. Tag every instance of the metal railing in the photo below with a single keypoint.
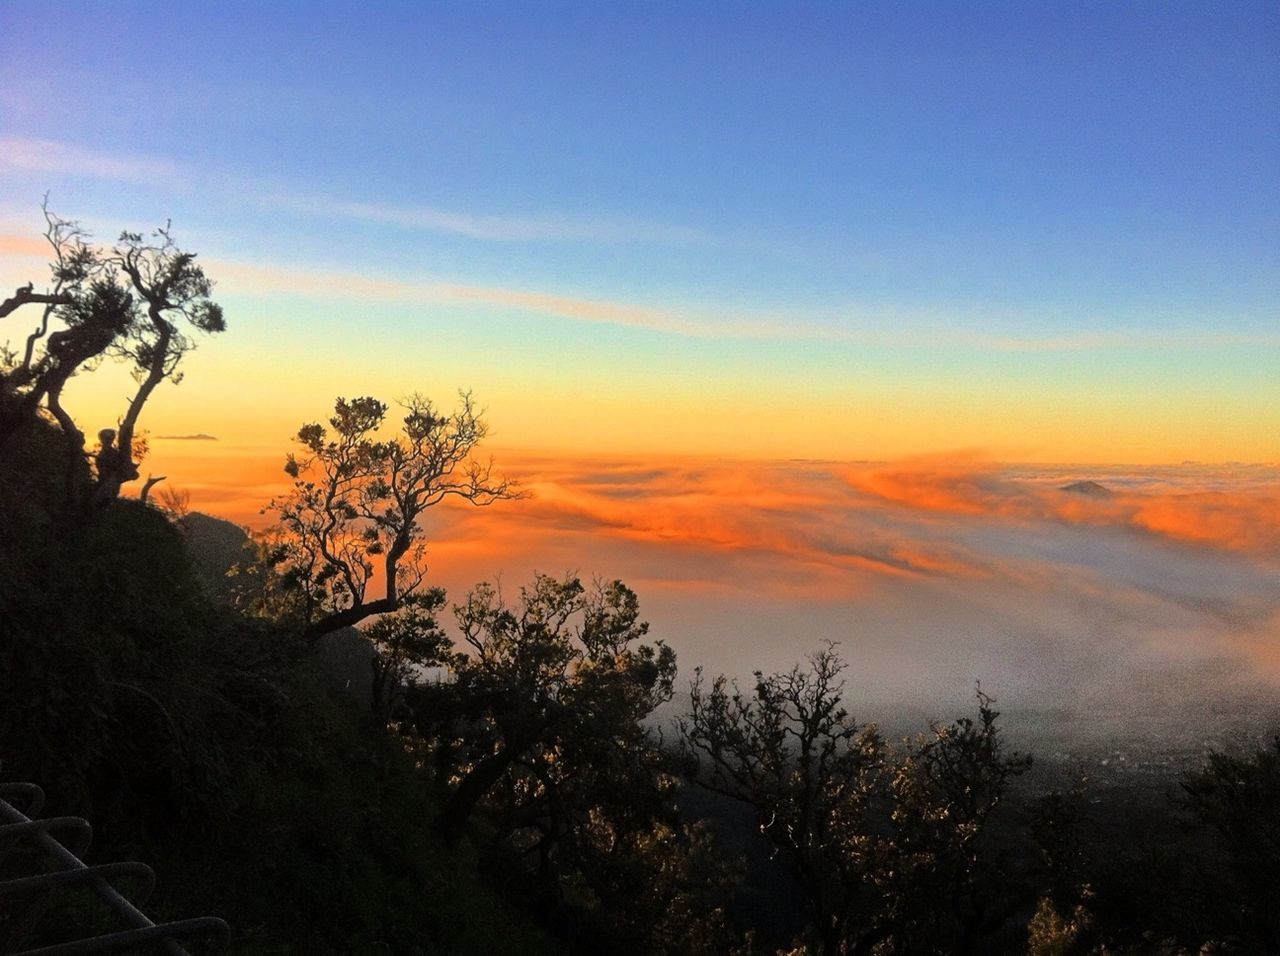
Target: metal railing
[{"x": 26, "y": 897}]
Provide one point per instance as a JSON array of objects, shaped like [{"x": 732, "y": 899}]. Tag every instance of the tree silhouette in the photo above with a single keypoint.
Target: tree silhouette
[
  {"x": 883, "y": 841},
  {"x": 542, "y": 730},
  {"x": 552, "y": 696},
  {"x": 357, "y": 502},
  {"x": 128, "y": 303},
  {"x": 407, "y": 639},
  {"x": 1235, "y": 799},
  {"x": 170, "y": 287}
]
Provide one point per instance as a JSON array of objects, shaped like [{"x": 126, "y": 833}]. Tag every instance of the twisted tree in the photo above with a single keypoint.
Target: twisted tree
[
  {"x": 128, "y": 303},
  {"x": 353, "y": 518}
]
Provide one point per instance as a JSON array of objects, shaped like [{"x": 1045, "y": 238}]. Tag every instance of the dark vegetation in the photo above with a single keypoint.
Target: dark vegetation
[{"x": 488, "y": 776}]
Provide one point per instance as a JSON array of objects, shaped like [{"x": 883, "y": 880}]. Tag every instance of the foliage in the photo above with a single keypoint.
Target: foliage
[
  {"x": 1143, "y": 872},
  {"x": 336, "y": 832},
  {"x": 407, "y": 640},
  {"x": 205, "y": 744},
  {"x": 357, "y": 503},
  {"x": 552, "y": 697},
  {"x": 1235, "y": 801},
  {"x": 886, "y": 844},
  {"x": 132, "y": 303},
  {"x": 124, "y": 690},
  {"x": 1050, "y": 934},
  {"x": 541, "y": 732}
]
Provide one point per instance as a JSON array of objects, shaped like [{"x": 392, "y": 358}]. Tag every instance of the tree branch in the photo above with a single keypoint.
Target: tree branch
[{"x": 25, "y": 296}]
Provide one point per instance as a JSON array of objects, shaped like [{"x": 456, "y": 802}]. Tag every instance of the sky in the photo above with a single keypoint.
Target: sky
[
  {"x": 827, "y": 284},
  {"x": 1044, "y": 231}
]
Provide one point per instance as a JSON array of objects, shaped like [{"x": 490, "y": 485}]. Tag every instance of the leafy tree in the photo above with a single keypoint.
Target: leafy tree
[
  {"x": 130, "y": 303},
  {"x": 172, "y": 291},
  {"x": 883, "y": 842},
  {"x": 1056, "y": 824},
  {"x": 358, "y": 499},
  {"x": 406, "y": 640},
  {"x": 1235, "y": 800},
  {"x": 552, "y": 697},
  {"x": 542, "y": 731}
]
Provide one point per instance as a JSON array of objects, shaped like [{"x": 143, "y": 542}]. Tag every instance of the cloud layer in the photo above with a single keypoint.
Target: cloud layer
[{"x": 931, "y": 574}]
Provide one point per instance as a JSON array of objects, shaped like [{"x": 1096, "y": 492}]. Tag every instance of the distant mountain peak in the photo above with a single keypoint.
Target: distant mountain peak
[{"x": 1090, "y": 488}]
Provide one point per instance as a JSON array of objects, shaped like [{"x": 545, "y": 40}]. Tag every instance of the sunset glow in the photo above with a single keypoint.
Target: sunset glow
[{"x": 779, "y": 310}]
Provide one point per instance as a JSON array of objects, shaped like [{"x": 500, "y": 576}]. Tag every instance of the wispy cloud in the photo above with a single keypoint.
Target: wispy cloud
[
  {"x": 493, "y": 228},
  {"x": 51, "y": 157},
  {"x": 865, "y": 329},
  {"x": 870, "y": 325},
  {"x": 252, "y": 279}
]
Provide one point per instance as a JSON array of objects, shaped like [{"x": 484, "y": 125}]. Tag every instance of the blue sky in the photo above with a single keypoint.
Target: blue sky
[{"x": 945, "y": 182}]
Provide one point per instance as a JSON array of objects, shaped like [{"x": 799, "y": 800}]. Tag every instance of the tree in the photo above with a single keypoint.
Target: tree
[
  {"x": 1235, "y": 801},
  {"x": 883, "y": 841},
  {"x": 358, "y": 499},
  {"x": 553, "y": 694},
  {"x": 542, "y": 728},
  {"x": 170, "y": 287},
  {"x": 128, "y": 303},
  {"x": 406, "y": 639},
  {"x": 791, "y": 751}
]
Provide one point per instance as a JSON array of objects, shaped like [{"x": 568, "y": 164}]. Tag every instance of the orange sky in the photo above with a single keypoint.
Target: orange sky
[{"x": 586, "y": 377}]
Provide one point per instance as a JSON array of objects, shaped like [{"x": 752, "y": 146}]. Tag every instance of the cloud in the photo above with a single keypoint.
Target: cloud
[
  {"x": 1245, "y": 516},
  {"x": 253, "y": 279},
  {"x": 199, "y": 437},
  {"x": 492, "y": 228},
  {"x": 49, "y": 156},
  {"x": 871, "y": 326},
  {"x": 692, "y": 322},
  {"x": 931, "y": 572},
  {"x": 1089, "y": 341}
]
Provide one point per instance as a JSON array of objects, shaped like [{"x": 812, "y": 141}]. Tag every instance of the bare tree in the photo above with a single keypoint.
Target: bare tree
[{"x": 357, "y": 502}]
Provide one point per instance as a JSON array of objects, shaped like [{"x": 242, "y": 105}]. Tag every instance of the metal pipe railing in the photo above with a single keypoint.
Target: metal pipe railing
[{"x": 17, "y": 827}]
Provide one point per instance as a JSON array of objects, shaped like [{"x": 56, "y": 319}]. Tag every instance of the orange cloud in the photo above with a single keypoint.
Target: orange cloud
[
  {"x": 952, "y": 569},
  {"x": 1239, "y": 521},
  {"x": 754, "y": 526},
  {"x": 1243, "y": 518},
  {"x": 951, "y": 486}
]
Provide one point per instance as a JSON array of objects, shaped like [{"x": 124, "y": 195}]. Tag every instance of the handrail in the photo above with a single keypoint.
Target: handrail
[{"x": 16, "y": 827}]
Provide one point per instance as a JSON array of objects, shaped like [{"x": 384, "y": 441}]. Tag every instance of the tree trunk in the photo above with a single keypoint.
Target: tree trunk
[{"x": 474, "y": 786}]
